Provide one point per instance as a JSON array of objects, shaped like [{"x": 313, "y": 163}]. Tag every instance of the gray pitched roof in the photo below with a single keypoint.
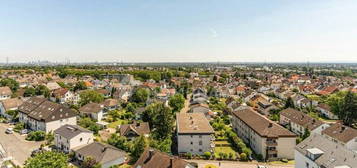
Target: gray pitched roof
[
  {"x": 102, "y": 153},
  {"x": 70, "y": 131},
  {"x": 333, "y": 154}
]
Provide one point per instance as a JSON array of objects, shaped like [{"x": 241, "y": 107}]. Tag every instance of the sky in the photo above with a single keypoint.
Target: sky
[{"x": 178, "y": 30}]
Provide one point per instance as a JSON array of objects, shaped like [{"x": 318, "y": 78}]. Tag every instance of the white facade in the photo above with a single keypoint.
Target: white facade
[
  {"x": 66, "y": 145},
  {"x": 195, "y": 143},
  {"x": 45, "y": 126}
]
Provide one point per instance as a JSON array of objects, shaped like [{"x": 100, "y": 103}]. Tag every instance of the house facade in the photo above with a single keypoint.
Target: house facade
[
  {"x": 265, "y": 137},
  {"x": 194, "y": 133},
  {"x": 68, "y": 137},
  {"x": 39, "y": 114}
]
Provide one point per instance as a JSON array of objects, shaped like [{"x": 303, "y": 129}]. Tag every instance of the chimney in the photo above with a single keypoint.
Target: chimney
[
  {"x": 343, "y": 128},
  {"x": 151, "y": 154},
  {"x": 171, "y": 163},
  {"x": 270, "y": 125}
]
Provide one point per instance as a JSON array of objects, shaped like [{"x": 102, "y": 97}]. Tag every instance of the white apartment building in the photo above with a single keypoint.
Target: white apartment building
[
  {"x": 39, "y": 114},
  {"x": 194, "y": 133},
  {"x": 299, "y": 121},
  {"x": 265, "y": 137},
  {"x": 343, "y": 135},
  {"x": 69, "y": 137}
]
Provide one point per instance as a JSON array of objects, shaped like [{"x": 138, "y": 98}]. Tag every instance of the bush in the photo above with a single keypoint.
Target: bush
[
  {"x": 243, "y": 157},
  {"x": 36, "y": 136},
  {"x": 19, "y": 126},
  {"x": 189, "y": 155},
  {"x": 207, "y": 155}
]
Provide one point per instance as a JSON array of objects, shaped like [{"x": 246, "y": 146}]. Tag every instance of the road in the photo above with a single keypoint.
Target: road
[
  {"x": 16, "y": 146},
  {"x": 236, "y": 164},
  {"x": 187, "y": 104}
]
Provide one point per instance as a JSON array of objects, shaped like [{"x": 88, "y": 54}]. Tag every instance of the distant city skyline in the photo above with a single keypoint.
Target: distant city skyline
[{"x": 178, "y": 31}]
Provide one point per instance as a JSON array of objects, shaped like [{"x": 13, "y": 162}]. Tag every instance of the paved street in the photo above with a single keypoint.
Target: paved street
[
  {"x": 16, "y": 146},
  {"x": 236, "y": 164}
]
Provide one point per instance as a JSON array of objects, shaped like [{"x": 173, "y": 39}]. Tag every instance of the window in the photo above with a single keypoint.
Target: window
[
  {"x": 191, "y": 143},
  {"x": 80, "y": 139},
  {"x": 200, "y": 136},
  {"x": 191, "y": 136},
  {"x": 200, "y": 150},
  {"x": 200, "y": 142},
  {"x": 307, "y": 165}
]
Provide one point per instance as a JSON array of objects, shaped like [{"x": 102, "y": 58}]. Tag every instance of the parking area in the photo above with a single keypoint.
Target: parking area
[{"x": 16, "y": 146}]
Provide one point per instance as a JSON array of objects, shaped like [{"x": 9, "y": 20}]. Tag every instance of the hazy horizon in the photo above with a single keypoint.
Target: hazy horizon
[{"x": 154, "y": 31}]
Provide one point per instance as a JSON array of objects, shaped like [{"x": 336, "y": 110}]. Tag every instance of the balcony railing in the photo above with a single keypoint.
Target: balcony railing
[{"x": 271, "y": 143}]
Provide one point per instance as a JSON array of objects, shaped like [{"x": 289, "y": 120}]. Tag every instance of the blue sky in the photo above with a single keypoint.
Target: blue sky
[{"x": 179, "y": 30}]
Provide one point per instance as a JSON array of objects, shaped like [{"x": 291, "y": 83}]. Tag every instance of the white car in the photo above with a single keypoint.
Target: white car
[
  {"x": 9, "y": 131},
  {"x": 260, "y": 166}
]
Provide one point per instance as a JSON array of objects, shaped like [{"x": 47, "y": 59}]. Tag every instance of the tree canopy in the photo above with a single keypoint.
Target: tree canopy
[
  {"x": 11, "y": 83},
  {"x": 88, "y": 96},
  {"x": 177, "y": 102},
  {"x": 140, "y": 95},
  {"x": 47, "y": 160}
]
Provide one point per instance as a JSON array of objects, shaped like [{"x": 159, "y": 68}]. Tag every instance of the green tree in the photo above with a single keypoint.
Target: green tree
[
  {"x": 289, "y": 103},
  {"x": 42, "y": 90},
  {"x": 90, "y": 96},
  {"x": 119, "y": 142},
  {"x": 160, "y": 119},
  {"x": 90, "y": 162},
  {"x": 177, "y": 102},
  {"x": 348, "y": 112},
  {"x": 140, "y": 95},
  {"x": 139, "y": 146},
  {"x": 11, "y": 83},
  {"x": 29, "y": 92},
  {"x": 47, "y": 160},
  {"x": 80, "y": 86}
]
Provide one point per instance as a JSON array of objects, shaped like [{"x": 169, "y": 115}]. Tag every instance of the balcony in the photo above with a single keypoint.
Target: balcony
[
  {"x": 272, "y": 151},
  {"x": 271, "y": 143}
]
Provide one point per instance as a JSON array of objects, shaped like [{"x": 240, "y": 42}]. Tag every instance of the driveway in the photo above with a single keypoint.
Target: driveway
[
  {"x": 187, "y": 104},
  {"x": 16, "y": 146},
  {"x": 236, "y": 164}
]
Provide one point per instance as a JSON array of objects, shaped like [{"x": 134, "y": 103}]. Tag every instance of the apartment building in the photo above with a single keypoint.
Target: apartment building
[
  {"x": 68, "y": 137},
  {"x": 298, "y": 122},
  {"x": 194, "y": 133},
  {"x": 265, "y": 137},
  {"x": 39, "y": 114},
  {"x": 343, "y": 135},
  {"x": 318, "y": 152}
]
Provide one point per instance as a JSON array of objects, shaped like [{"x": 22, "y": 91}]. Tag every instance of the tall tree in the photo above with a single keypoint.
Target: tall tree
[
  {"x": 138, "y": 148},
  {"x": 91, "y": 96},
  {"x": 47, "y": 160},
  {"x": 160, "y": 119},
  {"x": 177, "y": 102},
  {"x": 140, "y": 95},
  {"x": 348, "y": 112},
  {"x": 289, "y": 103}
]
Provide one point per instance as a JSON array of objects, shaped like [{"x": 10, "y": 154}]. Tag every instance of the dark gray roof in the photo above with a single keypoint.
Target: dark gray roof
[
  {"x": 333, "y": 154},
  {"x": 102, "y": 153},
  {"x": 49, "y": 111},
  {"x": 70, "y": 131},
  {"x": 31, "y": 104}
]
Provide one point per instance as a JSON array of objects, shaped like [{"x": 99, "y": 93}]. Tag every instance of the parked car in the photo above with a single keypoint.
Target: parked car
[
  {"x": 9, "y": 131},
  {"x": 260, "y": 166},
  {"x": 24, "y": 131}
]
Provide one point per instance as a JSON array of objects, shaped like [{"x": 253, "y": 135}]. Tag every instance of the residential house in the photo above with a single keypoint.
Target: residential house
[
  {"x": 325, "y": 110},
  {"x": 264, "y": 136},
  {"x": 39, "y": 114},
  {"x": 131, "y": 131},
  {"x": 151, "y": 158},
  {"x": 9, "y": 105},
  {"x": 68, "y": 137},
  {"x": 92, "y": 110},
  {"x": 319, "y": 152},
  {"x": 195, "y": 135},
  {"x": 64, "y": 95},
  {"x": 201, "y": 108},
  {"x": 53, "y": 86},
  {"x": 342, "y": 135},
  {"x": 298, "y": 122},
  {"x": 103, "y": 154},
  {"x": 5, "y": 93},
  {"x": 110, "y": 104}
]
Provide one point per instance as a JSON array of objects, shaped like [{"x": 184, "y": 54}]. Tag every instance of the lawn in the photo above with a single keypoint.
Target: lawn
[
  {"x": 290, "y": 162},
  {"x": 116, "y": 123},
  {"x": 226, "y": 150},
  {"x": 221, "y": 143}
]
